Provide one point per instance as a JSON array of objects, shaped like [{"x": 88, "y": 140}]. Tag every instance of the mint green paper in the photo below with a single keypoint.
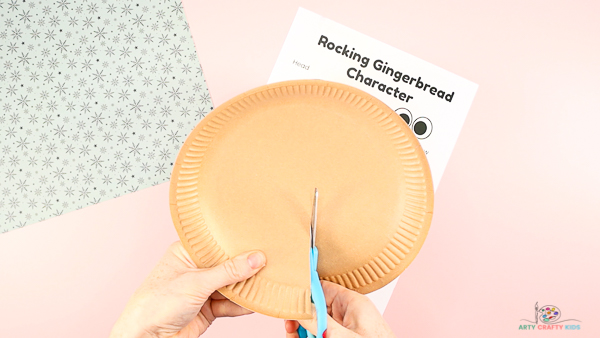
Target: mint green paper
[{"x": 96, "y": 99}]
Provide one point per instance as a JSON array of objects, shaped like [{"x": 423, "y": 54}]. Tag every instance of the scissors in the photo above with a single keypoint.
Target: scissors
[{"x": 316, "y": 290}]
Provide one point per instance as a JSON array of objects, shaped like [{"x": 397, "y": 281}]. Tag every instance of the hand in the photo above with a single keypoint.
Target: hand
[
  {"x": 351, "y": 315},
  {"x": 179, "y": 300}
]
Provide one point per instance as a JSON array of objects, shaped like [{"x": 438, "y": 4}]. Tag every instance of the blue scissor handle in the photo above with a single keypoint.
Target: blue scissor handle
[
  {"x": 302, "y": 333},
  {"x": 318, "y": 298}
]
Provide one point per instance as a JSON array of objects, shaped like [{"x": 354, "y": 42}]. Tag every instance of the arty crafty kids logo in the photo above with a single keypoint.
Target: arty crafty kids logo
[{"x": 548, "y": 317}]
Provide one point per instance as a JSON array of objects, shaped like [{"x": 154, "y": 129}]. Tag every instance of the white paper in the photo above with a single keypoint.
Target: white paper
[{"x": 318, "y": 48}]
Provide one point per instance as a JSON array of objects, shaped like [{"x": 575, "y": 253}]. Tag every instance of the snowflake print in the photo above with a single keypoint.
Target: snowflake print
[{"x": 101, "y": 93}]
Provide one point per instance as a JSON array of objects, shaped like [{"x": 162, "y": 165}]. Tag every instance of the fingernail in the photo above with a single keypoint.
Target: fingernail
[{"x": 256, "y": 260}]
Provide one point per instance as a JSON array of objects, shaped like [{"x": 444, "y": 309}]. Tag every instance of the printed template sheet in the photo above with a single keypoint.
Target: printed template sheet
[{"x": 432, "y": 101}]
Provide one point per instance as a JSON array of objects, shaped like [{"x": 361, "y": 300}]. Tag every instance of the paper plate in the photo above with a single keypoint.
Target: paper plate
[{"x": 245, "y": 178}]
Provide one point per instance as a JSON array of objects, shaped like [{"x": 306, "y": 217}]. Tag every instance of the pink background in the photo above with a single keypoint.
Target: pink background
[{"x": 516, "y": 214}]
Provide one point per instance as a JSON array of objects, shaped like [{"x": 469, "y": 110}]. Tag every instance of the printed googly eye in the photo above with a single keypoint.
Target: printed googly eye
[
  {"x": 422, "y": 127},
  {"x": 405, "y": 114}
]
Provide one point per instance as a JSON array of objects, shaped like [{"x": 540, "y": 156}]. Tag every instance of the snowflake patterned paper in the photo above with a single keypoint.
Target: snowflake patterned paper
[{"x": 97, "y": 98}]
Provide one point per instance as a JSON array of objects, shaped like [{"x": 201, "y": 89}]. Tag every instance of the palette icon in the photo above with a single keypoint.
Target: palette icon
[{"x": 549, "y": 313}]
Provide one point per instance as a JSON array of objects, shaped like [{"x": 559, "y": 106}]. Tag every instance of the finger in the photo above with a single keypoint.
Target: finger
[
  {"x": 291, "y": 329},
  {"x": 291, "y": 325},
  {"x": 310, "y": 325},
  {"x": 339, "y": 300},
  {"x": 182, "y": 255},
  {"x": 334, "y": 329},
  {"x": 231, "y": 271},
  {"x": 333, "y": 291},
  {"x": 217, "y": 295},
  {"x": 226, "y": 308},
  {"x": 336, "y": 305}
]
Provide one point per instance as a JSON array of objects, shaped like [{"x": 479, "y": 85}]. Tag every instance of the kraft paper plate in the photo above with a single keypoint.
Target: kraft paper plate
[{"x": 245, "y": 179}]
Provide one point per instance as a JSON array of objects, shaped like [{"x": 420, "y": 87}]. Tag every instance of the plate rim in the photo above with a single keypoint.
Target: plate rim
[{"x": 380, "y": 271}]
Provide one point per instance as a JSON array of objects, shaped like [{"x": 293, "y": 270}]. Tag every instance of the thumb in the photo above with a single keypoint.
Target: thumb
[
  {"x": 233, "y": 270},
  {"x": 334, "y": 329}
]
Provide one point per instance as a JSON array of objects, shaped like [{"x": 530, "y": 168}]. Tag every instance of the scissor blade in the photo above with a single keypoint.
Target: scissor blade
[{"x": 313, "y": 221}]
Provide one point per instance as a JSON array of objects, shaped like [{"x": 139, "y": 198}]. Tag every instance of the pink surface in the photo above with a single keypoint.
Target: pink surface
[{"x": 516, "y": 215}]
